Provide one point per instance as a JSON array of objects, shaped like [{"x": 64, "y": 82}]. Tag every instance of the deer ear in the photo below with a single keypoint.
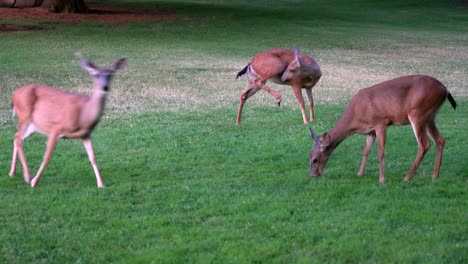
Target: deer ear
[
  {"x": 296, "y": 50},
  {"x": 297, "y": 54},
  {"x": 314, "y": 136},
  {"x": 119, "y": 64},
  {"x": 325, "y": 139},
  {"x": 86, "y": 64}
]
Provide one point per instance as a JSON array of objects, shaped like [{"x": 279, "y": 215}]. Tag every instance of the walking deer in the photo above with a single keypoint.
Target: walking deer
[
  {"x": 281, "y": 66},
  {"x": 58, "y": 114},
  {"x": 405, "y": 100}
]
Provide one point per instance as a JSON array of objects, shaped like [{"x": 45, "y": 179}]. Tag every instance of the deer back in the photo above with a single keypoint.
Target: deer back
[{"x": 49, "y": 109}]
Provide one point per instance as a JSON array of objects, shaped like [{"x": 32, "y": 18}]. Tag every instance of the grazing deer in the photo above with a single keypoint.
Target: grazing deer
[
  {"x": 281, "y": 66},
  {"x": 58, "y": 114},
  {"x": 405, "y": 100}
]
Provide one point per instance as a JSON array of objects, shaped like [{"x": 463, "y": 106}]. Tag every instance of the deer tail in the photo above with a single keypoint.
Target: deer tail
[
  {"x": 451, "y": 100},
  {"x": 243, "y": 71}
]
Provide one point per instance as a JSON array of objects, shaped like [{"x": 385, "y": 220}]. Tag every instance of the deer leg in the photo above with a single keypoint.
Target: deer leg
[
  {"x": 367, "y": 147},
  {"x": 381, "y": 138},
  {"x": 89, "y": 149},
  {"x": 300, "y": 101},
  {"x": 13, "y": 158},
  {"x": 262, "y": 85},
  {"x": 24, "y": 132},
  {"x": 243, "y": 98},
  {"x": 18, "y": 150},
  {"x": 423, "y": 147},
  {"x": 311, "y": 104},
  {"x": 439, "y": 142},
  {"x": 48, "y": 153}
]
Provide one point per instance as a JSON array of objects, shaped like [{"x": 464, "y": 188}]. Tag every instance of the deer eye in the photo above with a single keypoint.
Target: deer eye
[{"x": 314, "y": 160}]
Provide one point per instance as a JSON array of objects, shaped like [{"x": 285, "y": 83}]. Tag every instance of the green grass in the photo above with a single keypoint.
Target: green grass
[{"x": 185, "y": 184}]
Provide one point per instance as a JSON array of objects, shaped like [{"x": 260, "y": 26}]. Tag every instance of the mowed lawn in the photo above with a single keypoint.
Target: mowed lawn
[{"x": 185, "y": 184}]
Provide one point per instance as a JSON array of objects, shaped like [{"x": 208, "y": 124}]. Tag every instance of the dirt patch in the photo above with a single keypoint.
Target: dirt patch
[
  {"x": 97, "y": 12},
  {"x": 8, "y": 28}
]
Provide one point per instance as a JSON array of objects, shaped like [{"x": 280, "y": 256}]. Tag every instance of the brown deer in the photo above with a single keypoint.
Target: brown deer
[
  {"x": 281, "y": 66},
  {"x": 58, "y": 114},
  {"x": 405, "y": 100}
]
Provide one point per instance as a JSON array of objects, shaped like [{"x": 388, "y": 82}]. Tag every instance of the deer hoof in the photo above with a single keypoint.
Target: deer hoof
[{"x": 278, "y": 100}]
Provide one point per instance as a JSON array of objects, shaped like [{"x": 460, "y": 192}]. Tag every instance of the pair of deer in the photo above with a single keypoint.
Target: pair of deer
[
  {"x": 405, "y": 100},
  {"x": 409, "y": 99}
]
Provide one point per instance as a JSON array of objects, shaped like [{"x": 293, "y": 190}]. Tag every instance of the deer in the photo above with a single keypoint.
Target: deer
[
  {"x": 59, "y": 114},
  {"x": 284, "y": 67},
  {"x": 414, "y": 99}
]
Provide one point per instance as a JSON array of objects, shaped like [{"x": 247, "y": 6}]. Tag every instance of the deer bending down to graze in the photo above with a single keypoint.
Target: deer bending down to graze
[
  {"x": 58, "y": 114},
  {"x": 281, "y": 66},
  {"x": 405, "y": 100}
]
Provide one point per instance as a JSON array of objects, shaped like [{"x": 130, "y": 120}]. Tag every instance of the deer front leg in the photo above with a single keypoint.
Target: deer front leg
[
  {"x": 310, "y": 98},
  {"x": 367, "y": 147},
  {"x": 298, "y": 93},
  {"x": 89, "y": 149},
  {"x": 261, "y": 84},
  {"x": 243, "y": 98},
  {"x": 50, "y": 149}
]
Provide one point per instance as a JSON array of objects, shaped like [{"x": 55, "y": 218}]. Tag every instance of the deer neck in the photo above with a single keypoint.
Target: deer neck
[
  {"x": 342, "y": 129},
  {"x": 315, "y": 70},
  {"x": 94, "y": 107}
]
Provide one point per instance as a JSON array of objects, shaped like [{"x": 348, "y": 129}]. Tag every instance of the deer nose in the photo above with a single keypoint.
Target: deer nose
[{"x": 315, "y": 173}]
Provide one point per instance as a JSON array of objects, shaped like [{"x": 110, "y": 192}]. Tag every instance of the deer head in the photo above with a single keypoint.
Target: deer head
[
  {"x": 101, "y": 76},
  {"x": 297, "y": 67},
  {"x": 318, "y": 156}
]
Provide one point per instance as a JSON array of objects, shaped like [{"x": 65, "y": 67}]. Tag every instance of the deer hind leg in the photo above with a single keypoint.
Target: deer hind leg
[
  {"x": 439, "y": 142},
  {"x": 243, "y": 98},
  {"x": 381, "y": 138},
  {"x": 367, "y": 147},
  {"x": 48, "y": 153},
  {"x": 310, "y": 98},
  {"x": 25, "y": 130},
  {"x": 89, "y": 149},
  {"x": 261, "y": 84},
  {"x": 419, "y": 129}
]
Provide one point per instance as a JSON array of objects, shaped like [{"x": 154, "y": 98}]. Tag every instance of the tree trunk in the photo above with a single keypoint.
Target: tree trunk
[
  {"x": 67, "y": 6},
  {"x": 55, "y": 6}
]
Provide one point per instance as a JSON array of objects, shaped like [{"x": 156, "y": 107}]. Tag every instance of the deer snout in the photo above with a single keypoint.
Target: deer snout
[
  {"x": 286, "y": 76},
  {"x": 315, "y": 173}
]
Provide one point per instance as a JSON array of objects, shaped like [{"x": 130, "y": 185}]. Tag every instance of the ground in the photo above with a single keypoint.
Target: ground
[{"x": 97, "y": 12}]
